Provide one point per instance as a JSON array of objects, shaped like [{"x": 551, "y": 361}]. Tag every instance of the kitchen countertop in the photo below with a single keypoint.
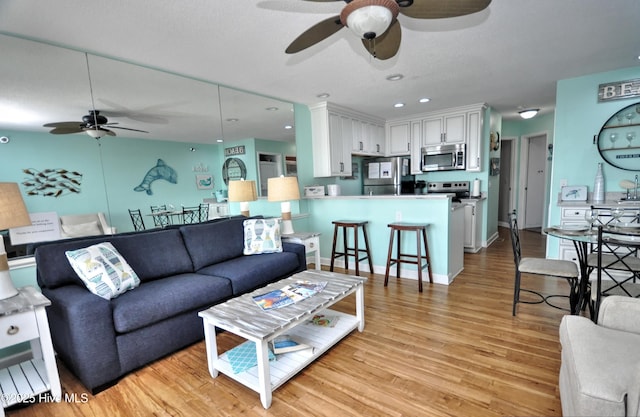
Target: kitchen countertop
[{"x": 377, "y": 197}]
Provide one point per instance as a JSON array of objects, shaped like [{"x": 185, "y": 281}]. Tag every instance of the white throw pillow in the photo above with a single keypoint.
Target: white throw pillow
[
  {"x": 103, "y": 270},
  {"x": 262, "y": 236},
  {"x": 82, "y": 229}
]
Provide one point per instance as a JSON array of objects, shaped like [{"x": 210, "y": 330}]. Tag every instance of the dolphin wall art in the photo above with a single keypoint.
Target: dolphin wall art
[{"x": 161, "y": 171}]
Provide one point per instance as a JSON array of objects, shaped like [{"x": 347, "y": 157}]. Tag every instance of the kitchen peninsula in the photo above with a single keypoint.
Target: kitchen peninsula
[{"x": 445, "y": 233}]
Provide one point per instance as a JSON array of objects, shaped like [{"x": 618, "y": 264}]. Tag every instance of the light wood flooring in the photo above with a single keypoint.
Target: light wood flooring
[{"x": 450, "y": 351}]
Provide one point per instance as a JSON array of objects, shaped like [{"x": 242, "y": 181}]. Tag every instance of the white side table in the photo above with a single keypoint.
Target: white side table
[
  {"x": 311, "y": 242},
  {"x": 23, "y": 319}
]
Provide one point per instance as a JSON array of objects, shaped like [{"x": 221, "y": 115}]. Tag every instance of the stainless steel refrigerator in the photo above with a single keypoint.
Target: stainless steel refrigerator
[{"x": 387, "y": 176}]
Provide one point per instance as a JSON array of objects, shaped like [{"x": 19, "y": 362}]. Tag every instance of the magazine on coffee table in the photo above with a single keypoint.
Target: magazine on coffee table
[{"x": 289, "y": 294}]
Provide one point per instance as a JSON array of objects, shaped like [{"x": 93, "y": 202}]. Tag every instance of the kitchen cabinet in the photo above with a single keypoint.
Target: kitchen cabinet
[
  {"x": 448, "y": 128},
  {"x": 456, "y": 241},
  {"x": 459, "y": 125},
  {"x": 474, "y": 139},
  {"x": 337, "y": 132},
  {"x": 399, "y": 135},
  {"x": 473, "y": 211},
  {"x": 368, "y": 138}
]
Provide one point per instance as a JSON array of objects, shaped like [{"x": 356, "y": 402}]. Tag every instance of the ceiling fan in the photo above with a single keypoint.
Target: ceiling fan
[
  {"x": 374, "y": 21},
  {"x": 93, "y": 124}
]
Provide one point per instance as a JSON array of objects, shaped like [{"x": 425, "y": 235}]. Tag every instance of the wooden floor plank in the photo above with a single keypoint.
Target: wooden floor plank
[{"x": 451, "y": 351}]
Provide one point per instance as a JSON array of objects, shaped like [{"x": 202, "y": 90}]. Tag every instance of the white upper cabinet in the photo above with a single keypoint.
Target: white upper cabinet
[
  {"x": 399, "y": 135},
  {"x": 448, "y": 128},
  {"x": 339, "y": 132},
  {"x": 459, "y": 125}
]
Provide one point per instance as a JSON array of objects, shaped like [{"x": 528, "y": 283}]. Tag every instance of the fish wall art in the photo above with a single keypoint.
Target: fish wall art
[
  {"x": 51, "y": 182},
  {"x": 161, "y": 171}
]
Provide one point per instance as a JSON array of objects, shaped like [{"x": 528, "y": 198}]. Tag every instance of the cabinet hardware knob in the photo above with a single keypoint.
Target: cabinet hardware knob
[{"x": 12, "y": 330}]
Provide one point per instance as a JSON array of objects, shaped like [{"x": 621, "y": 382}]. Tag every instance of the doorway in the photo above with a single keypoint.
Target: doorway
[
  {"x": 507, "y": 191},
  {"x": 269, "y": 166},
  {"x": 533, "y": 181}
]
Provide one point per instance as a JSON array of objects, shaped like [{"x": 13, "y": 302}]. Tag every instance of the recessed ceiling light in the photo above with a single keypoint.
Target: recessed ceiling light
[
  {"x": 273, "y": 108},
  {"x": 232, "y": 120},
  {"x": 424, "y": 100},
  {"x": 395, "y": 77},
  {"x": 219, "y": 140},
  {"x": 323, "y": 95},
  {"x": 397, "y": 105},
  {"x": 288, "y": 127}
]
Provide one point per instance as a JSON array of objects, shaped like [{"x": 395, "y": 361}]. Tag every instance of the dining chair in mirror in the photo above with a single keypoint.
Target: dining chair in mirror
[
  {"x": 190, "y": 215},
  {"x": 160, "y": 215},
  {"x": 203, "y": 212},
  {"x": 137, "y": 220},
  {"x": 541, "y": 268},
  {"x": 617, "y": 265}
]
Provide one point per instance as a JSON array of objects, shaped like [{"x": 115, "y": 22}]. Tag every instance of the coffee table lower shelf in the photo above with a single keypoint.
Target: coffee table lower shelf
[{"x": 289, "y": 364}]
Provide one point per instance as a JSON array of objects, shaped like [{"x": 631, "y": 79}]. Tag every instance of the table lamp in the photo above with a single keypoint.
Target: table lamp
[
  {"x": 243, "y": 191},
  {"x": 284, "y": 189},
  {"x": 13, "y": 213}
]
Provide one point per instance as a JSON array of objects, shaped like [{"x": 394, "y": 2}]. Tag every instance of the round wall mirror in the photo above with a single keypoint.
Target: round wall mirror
[{"x": 233, "y": 169}]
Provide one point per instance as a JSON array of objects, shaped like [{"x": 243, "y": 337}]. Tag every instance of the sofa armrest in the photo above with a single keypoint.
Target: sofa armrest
[
  {"x": 620, "y": 313},
  {"x": 299, "y": 250},
  {"x": 83, "y": 334}
]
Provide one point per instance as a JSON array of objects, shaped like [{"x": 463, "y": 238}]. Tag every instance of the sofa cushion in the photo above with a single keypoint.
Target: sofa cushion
[
  {"x": 103, "y": 270},
  {"x": 164, "y": 298},
  {"x": 249, "y": 272},
  {"x": 82, "y": 229},
  {"x": 213, "y": 242},
  {"x": 262, "y": 236}
]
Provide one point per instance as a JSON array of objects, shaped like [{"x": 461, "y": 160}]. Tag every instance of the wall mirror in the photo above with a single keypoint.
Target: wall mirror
[{"x": 43, "y": 83}]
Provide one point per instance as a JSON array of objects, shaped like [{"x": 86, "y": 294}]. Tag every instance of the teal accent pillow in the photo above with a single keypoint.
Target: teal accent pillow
[
  {"x": 262, "y": 236},
  {"x": 103, "y": 270}
]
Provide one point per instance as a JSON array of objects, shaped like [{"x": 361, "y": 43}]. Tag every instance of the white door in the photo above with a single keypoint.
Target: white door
[
  {"x": 506, "y": 176},
  {"x": 535, "y": 185}
]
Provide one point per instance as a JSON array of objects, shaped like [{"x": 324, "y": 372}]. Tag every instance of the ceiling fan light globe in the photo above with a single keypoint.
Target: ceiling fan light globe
[
  {"x": 369, "y": 18},
  {"x": 95, "y": 133}
]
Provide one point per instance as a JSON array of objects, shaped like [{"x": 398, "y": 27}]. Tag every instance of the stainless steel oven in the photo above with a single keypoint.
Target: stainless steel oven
[{"x": 444, "y": 157}]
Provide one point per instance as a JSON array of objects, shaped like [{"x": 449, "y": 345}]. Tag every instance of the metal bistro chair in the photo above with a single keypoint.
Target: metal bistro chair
[
  {"x": 617, "y": 265},
  {"x": 190, "y": 215},
  {"x": 137, "y": 220},
  {"x": 203, "y": 212},
  {"x": 160, "y": 220},
  {"x": 540, "y": 267}
]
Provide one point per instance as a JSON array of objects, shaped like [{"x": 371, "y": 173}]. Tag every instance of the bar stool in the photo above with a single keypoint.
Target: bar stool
[
  {"x": 351, "y": 251},
  {"x": 417, "y": 259}
]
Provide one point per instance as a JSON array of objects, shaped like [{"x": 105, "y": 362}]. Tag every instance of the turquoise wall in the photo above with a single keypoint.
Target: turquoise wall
[{"x": 579, "y": 117}]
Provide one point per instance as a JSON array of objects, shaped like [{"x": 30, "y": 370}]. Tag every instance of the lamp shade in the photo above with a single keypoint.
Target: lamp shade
[
  {"x": 369, "y": 18},
  {"x": 13, "y": 212},
  {"x": 283, "y": 189},
  {"x": 240, "y": 191}
]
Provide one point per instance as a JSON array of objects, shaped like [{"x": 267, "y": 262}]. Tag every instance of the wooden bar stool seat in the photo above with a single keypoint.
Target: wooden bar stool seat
[
  {"x": 354, "y": 250},
  {"x": 415, "y": 259}
]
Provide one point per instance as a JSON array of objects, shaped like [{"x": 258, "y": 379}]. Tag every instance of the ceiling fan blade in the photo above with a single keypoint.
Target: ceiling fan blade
[
  {"x": 438, "y": 9},
  {"x": 315, "y": 34},
  {"x": 386, "y": 45},
  {"x": 66, "y": 130},
  {"x": 64, "y": 125},
  {"x": 126, "y": 128}
]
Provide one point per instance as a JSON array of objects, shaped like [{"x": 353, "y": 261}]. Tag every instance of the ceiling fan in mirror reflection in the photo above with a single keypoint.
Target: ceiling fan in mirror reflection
[{"x": 93, "y": 124}]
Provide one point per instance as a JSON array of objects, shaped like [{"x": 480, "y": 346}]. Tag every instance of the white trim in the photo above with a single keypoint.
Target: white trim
[{"x": 23, "y": 262}]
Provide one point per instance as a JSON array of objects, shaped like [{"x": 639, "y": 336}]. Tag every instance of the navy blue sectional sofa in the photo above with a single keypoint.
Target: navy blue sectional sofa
[{"x": 182, "y": 271}]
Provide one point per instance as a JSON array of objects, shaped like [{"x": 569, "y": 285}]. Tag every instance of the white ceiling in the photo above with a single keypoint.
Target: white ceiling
[{"x": 509, "y": 55}]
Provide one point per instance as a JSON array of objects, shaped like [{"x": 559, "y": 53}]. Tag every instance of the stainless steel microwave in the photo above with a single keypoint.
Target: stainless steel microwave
[{"x": 444, "y": 157}]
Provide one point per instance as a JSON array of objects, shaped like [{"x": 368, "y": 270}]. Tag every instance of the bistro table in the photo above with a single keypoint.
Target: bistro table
[{"x": 583, "y": 238}]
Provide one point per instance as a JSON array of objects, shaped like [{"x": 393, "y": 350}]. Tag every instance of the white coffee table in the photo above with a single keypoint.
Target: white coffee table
[{"x": 242, "y": 316}]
